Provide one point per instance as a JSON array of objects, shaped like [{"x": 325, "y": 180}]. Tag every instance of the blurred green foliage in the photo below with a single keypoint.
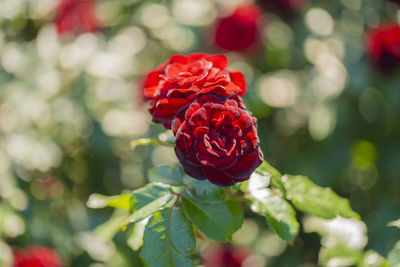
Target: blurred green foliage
[{"x": 70, "y": 107}]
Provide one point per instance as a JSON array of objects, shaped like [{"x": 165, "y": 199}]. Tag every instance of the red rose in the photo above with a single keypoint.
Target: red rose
[
  {"x": 36, "y": 256},
  {"x": 240, "y": 30},
  {"x": 217, "y": 140},
  {"x": 384, "y": 46},
  {"x": 76, "y": 16},
  {"x": 179, "y": 81}
]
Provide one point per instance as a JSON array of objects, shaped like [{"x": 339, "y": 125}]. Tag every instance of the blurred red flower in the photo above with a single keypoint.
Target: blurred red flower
[
  {"x": 36, "y": 256},
  {"x": 216, "y": 139},
  {"x": 179, "y": 81},
  {"x": 384, "y": 46},
  {"x": 76, "y": 16},
  {"x": 225, "y": 256},
  {"x": 240, "y": 30}
]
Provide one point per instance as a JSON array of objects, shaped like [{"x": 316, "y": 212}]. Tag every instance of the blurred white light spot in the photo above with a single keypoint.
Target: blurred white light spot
[
  {"x": 129, "y": 42},
  {"x": 11, "y": 8},
  {"x": 48, "y": 44},
  {"x": 179, "y": 38},
  {"x": 278, "y": 34},
  {"x": 120, "y": 123},
  {"x": 279, "y": 90},
  {"x": 113, "y": 89},
  {"x": 18, "y": 199},
  {"x": 270, "y": 245},
  {"x": 6, "y": 255},
  {"x": 154, "y": 15},
  {"x": 247, "y": 233},
  {"x": 98, "y": 249},
  {"x": 108, "y": 65},
  {"x": 163, "y": 155},
  {"x": 13, "y": 225},
  {"x": 254, "y": 261},
  {"x": 49, "y": 80},
  {"x": 319, "y": 21},
  {"x": 13, "y": 60},
  {"x": 322, "y": 122},
  {"x": 194, "y": 12},
  {"x": 41, "y": 8}
]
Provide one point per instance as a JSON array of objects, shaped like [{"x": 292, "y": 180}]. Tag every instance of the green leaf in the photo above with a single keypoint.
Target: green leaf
[
  {"x": 97, "y": 201},
  {"x": 280, "y": 215},
  {"x": 313, "y": 199},
  {"x": 395, "y": 223},
  {"x": 147, "y": 200},
  {"x": 168, "y": 240},
  {"x": 147, "y": 194},
  {"x": 216, "y": 220},
  {"x": 266, "y": 169},
  {"x": 166, "y": 174},
  {"x": 204, "y": 191},
  {"x": 394, "y": 256}
]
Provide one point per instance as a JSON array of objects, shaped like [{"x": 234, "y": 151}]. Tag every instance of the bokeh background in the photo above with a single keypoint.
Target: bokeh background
[{"x": 71, "y": 103}]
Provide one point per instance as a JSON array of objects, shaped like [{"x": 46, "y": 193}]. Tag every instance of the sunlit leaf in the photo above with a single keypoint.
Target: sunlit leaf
[
  {"x": 266, "y": 169},
  {"x": 280, "y": 215},
  {"x": 217, "y": 220},
  {"x": 316, "y": 200},
  {"x": 168, "y": 240},
  {"x": 147, "y": 200},
  {"x": 98, "y": 201}
]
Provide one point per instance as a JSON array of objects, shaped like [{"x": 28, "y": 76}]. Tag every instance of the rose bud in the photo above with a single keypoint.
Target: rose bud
[
  {"x": 384, "y": 47},
  {"x": 76, "y": 16},
  {"x": 285, "y": 8},
  {"x": 179, "y": 81},
  {"x": 240, "y": 30},
  {"x": 217, "y": 140},
  {"x": 36, "y": 256}
]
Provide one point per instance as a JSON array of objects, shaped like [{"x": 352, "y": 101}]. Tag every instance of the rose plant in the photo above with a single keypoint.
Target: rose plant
[{"x": 216, "y": 142}]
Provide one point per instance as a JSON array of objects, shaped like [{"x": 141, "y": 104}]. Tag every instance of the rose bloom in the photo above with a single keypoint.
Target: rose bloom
[
  {"x": 216, "y": 139},
  {"x": 285, "y": 8},
  {"x": 179, "y": 81},
  {"x": 384, "y": 46},
  {"x": 240, "y": 30},
  {"x": 36, "y": 256},
  {"x": 76, "y": 16}
]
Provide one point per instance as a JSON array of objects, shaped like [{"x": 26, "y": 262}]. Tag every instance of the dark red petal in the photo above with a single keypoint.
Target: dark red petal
[
  {"x": 245, "y": 165},
  {"x": 220, "y": 178}
]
